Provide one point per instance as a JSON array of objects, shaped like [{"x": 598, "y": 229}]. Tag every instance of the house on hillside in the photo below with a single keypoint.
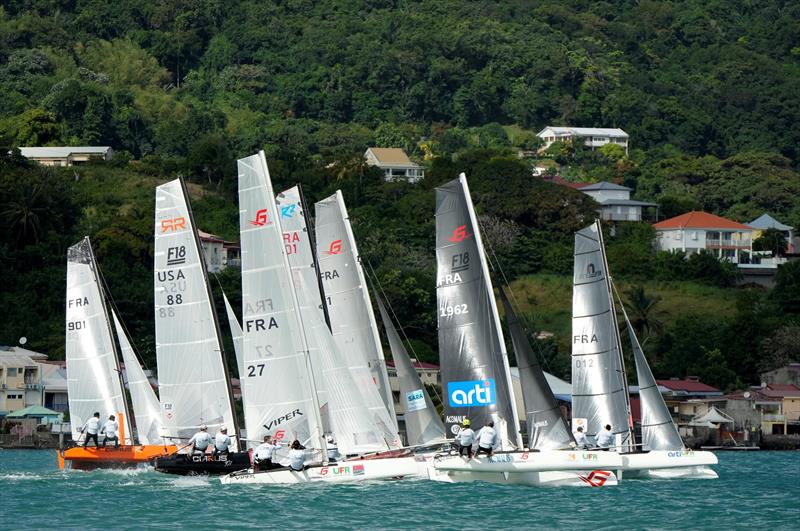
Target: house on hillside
[
  {"x": 765, "y": 221},
  {"x": 592, "y": 137},
  {"x": 696, "y": 231},
  {"x": 67, "y": 155},
  {"x": 616, "y": 203},
  {"x": 20, "y": 380},
  {"x": 395, "y": 164},
  {"x": 219, "y": 253},
  {"x": 788, "y": 374}
]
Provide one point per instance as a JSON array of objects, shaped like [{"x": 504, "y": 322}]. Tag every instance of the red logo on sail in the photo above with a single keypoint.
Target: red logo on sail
[
  {"x": 596, "y": 478},
  {"x": 460, "y": 234},
  {"x": 335, "y": 247},
  {"x": 172, "y": 225},
  {"x": 261, "y": 218}
]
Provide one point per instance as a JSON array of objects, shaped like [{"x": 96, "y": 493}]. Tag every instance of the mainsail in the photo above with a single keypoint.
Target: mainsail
[
  {"x": 278, "y": 387},
  {"x": 423, "y": 424},
  {"x": 658, "y": 429},
  {"x": 143, "y": 398},
  {"x": 547, "y": 428},
  {"x": 342, "y": 405},
  {"x": 472, "y": 350},
  {"x": 350, "y": 309},
  {"x": 192, "y": 377},
  {"x": 598, "y": 379},
  {"x": 93, "y": 373}
]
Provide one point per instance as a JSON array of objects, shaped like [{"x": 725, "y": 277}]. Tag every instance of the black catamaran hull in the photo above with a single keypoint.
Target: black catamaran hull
[{"x": 205, "y": 465}]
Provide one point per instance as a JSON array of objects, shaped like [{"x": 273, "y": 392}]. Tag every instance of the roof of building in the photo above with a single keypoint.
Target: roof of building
[
  {"x": 11, "y": 359},
  {"x": 605, "y": 185},
  {"x": 38, "y": 356},
  {"x": 392, "y": 157},
  {"x": 586, "y": 131},
  {"x": 752, "y": 394},
  {"x": 62, "y": 151},
  {"x": 416, "y": 364},
  {"x": 699, "y": 220},
  {"x": 765, "y": 221},
  {"x": 690, "y": 386},
  {"x": 781, "y": 390},
  {"x": 33, "y": 411}
]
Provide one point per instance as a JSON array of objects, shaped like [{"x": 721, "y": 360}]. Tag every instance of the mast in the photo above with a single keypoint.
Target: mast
[
  {"x": 114, "y": 349},
  {"x": 493, "y": 304},
  {"x": 617, "y": 337},
  {"x": 313, "y": 244},
  {"x": 201, "y": 251},
  {"x": 296, "y": 303}
]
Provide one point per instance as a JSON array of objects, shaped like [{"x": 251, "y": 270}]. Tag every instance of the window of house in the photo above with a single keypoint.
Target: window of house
[{"x": 12, "y": 372}]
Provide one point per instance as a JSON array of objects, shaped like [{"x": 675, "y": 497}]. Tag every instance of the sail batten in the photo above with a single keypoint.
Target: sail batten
[
  {"x": 93, "y": 375},
  {"x": 193, "y": 385}
]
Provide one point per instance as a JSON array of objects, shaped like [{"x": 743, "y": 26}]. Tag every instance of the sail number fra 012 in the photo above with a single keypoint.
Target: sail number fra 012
[{"x": 458, "y": 309}]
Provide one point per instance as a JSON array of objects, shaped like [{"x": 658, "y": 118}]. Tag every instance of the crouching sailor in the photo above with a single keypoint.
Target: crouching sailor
[
  {"x": 297, "y": 456},
  {"x": 222, "y": 443},
  {"x": 465, "y": 438},
  {"x": 110, "y": 429},
  {"x": 581, "y": 442},
  {"x": 200, "y": 441},
  {"x": 487, "y": 440},
  {"x": 262, "y": 455},
  {"x": 605, "y": 438},
  {"x": 333, "y": 450}
]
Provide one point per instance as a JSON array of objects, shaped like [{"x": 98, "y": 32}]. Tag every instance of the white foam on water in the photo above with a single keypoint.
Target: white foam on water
[
  {"x": 20, "y": 476},
  {"x": 185, "y": 482}
]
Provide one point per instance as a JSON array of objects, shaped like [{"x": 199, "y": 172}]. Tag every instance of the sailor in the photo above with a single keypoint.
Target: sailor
[
  {"x": 487, "y": 439},
  {"x": 297, "y": 456},
  {"x": 91, "y": 429},
  {"x": 200, "y": 441},
  {"x": 110, "y": 429},
  {"x": 605, "y": 438},
  {"x": 580, "y": 438},
  {"x": 333, "y": 450},
  {"x": 465, "y": 438},
  {"x": 262, "y": 455},
  {"x": 222, "y": 442}
]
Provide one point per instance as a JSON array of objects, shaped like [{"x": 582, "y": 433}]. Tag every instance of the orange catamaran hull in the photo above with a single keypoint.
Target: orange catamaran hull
[{"x": 81, "y": 458}]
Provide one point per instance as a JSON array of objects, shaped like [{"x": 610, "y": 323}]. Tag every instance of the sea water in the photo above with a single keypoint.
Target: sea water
[{"x": 755, "y": 490}]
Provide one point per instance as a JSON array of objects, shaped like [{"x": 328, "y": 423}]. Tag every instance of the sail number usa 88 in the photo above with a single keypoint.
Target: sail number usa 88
[{"x": 456, "y": 309}]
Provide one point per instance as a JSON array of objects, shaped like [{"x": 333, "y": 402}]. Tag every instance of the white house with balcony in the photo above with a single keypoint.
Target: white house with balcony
[
  {"x": 593, "y": 137},
  {"x": 616, "y": 203},
  {"x": 395, "y": 164},
  {"x": 20, "y": 380},
  {"x": 219, "y": 253},
  {"x": 66, "y": 155},
  {"x": 696, "y": 231}
]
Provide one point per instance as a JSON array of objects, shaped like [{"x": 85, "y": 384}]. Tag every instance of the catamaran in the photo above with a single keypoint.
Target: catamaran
[
  {"x": 194, "y": 386},
  {"x": 94, "y": 374},
  {"x": 476, "y": 373},
  {"x": 599, "y": 384},
  {"x": 281, "y": 392}
]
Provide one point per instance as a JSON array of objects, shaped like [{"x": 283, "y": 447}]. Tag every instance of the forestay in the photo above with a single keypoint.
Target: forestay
[
  {"x": 547, "y": 428},
  {"x": 423, "y": 425},
  {"x": 192, "y": 379},
  {"x": 475, "y": 375},
  {"x": 598, "y": 389},
  {"x": 93, "y": 377},
  {"x": 279, "y": 395},
  {"x": 143, "y": 398},
  {"x": 350, "y": 309}
]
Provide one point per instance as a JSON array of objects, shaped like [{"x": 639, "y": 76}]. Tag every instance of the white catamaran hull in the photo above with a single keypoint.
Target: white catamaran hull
[
  {"x": 672, "y": 464},
  {"x": 546, "y": 468},
  {"x": 343, "y": 472}
]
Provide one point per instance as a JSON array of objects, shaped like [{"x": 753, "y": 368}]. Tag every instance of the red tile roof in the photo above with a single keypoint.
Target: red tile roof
[
  {"x": 416, "y": 364},
  {"x": 687, "y": 385},
  {"x": 699, "y": 220},
  {"x": 781, "y": 390}
]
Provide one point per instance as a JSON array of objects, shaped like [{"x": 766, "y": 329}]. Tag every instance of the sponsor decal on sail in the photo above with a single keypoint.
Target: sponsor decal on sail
[
  {"x": 460, "y": 234},
  {"x": 261, "y": 218},
  {"x": 473, "y": 393},
  {"x": 415, "y": 400},
  {"x": 173, "y": 224},
  {"x": 592, "y": 271},
  {"x": 288, "y": 211},
  {"x": 335, "y": 247},
  {"x": 283, "y": 418}
]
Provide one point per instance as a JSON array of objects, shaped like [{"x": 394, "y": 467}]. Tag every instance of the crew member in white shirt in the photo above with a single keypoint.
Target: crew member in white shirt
[
  {"x": 91, "y": 429},
  {"x": 605, "y": 438},
  {"x": 200, "y": 441},
  {"x": 333, "y": 450},
  {"x": 222, "y": 442},
  {"x": 297, "y": 456},
  {"x": 487, "y": 439},
  {"x": 262, "y": 455},
  {"x": 580, "y": 438},
  {"x": 465, "y": 438},
  {"x": 110, "y": 429}
]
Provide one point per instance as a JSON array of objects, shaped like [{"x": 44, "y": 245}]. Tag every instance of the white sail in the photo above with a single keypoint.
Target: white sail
[
  {"x": 236, "y": 333},
  {"x": 143, "y": 398},
  {"x": 93, "y": 375},
  {"x": 598, "y": 380},
  {"x": 192, "y": 378},
  {"x": 350, "y": 309},
  {"x": 278, "y": 389}
]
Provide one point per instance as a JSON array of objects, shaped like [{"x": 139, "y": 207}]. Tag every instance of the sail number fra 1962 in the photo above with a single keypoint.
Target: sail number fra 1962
[{"x": 456, "y": 309}]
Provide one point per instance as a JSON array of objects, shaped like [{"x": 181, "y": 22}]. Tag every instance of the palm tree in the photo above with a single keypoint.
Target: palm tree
[
  {"x": 23, "y": 214},
  {"x": 642, "y": 312}
]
